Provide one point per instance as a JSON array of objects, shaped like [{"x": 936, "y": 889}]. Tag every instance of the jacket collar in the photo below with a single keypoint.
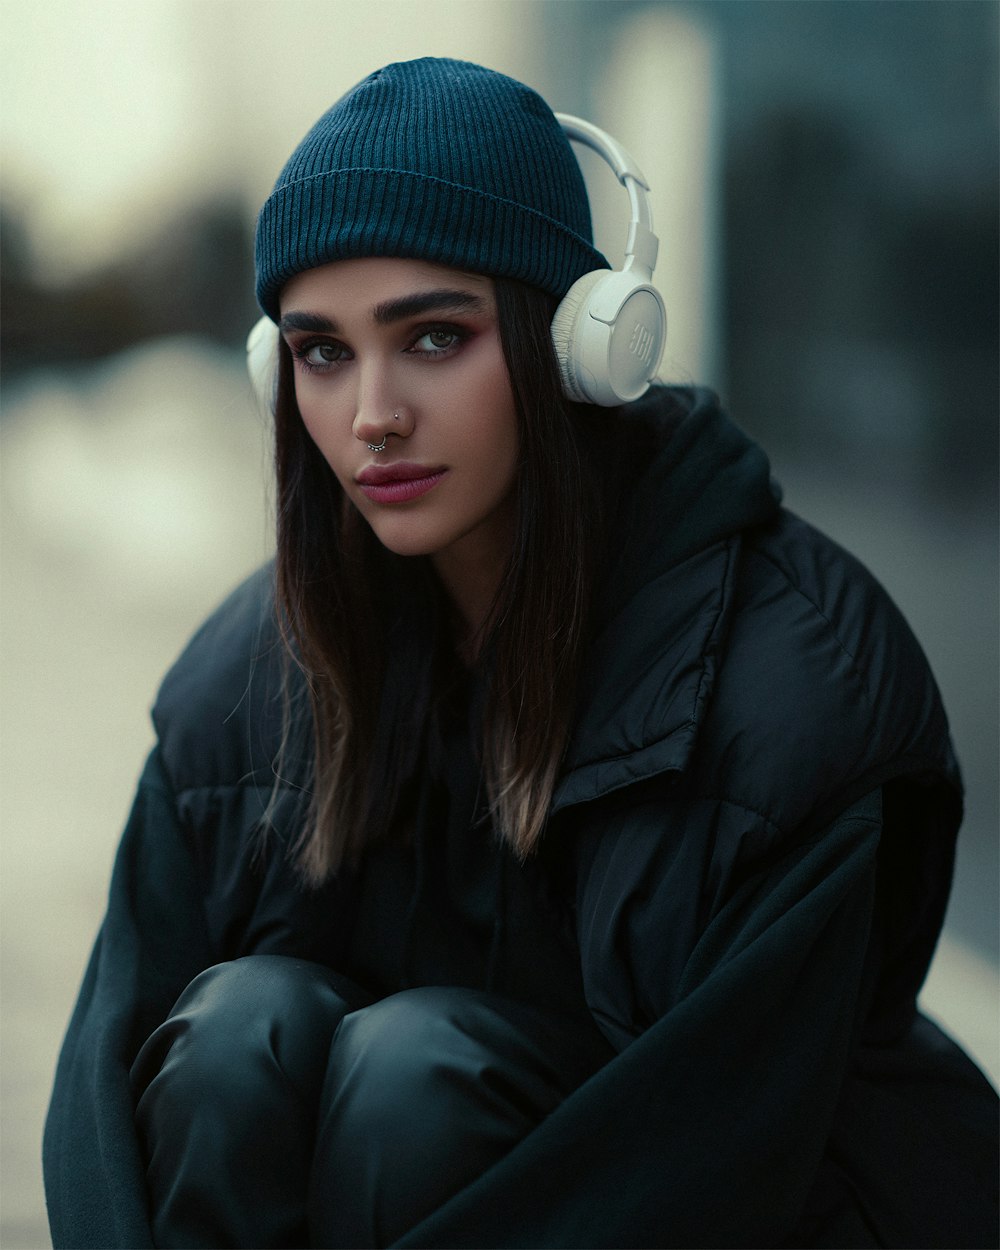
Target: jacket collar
[{"x": 690, "y": 487}]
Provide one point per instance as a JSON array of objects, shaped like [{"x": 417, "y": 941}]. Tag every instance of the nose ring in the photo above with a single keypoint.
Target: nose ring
[{"x": 377, "y": 447}]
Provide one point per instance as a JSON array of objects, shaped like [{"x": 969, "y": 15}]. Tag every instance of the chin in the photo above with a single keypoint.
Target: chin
[{"x": 405, "y": 540}]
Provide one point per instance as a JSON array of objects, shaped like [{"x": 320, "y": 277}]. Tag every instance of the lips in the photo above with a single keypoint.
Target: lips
[
  {"x": 403, "y": 471},
  {"x": 399, "y": 483}
]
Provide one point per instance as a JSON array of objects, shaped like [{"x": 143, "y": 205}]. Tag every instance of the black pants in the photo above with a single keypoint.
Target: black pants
[{"x": 279, "y": 1106}]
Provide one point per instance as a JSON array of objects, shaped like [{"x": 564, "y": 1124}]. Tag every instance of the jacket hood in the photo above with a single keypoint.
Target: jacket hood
[
  {"x": 688, "y": 478},
  {"x": 689, "y": 482}
]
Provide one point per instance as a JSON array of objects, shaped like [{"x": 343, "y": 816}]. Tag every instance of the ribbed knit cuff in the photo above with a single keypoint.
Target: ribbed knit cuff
[{"x": 379, "y": 212}]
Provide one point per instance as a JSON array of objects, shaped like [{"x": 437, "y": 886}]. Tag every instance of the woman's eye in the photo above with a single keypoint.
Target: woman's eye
[
  {"x": 320, "y": 355},
  {"x": 434, "y": 341}
]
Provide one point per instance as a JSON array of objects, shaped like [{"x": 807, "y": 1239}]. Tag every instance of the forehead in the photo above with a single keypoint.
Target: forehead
[{"x": 370, "y": 280}]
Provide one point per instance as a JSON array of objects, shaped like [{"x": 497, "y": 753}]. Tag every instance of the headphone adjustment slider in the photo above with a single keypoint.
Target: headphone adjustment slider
[{"x": 641, "y": 249}]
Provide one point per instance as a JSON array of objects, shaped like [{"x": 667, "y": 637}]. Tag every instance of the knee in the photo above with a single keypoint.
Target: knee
[
  {"x": 411, "y": 1029},
  {"x": 401, "y": 1061},
  {"x": 426, "y": 1045},
  {"x": 260, "y": 1013}
]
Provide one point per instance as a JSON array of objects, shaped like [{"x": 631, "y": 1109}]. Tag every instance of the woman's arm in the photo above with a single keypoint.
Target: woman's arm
[
  {"x": 708, "y": 1129},
  {"x": 151, "y": 944}
]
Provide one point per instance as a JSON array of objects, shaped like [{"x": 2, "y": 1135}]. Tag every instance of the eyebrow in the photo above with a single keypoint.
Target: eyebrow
[
  {"x": 393, "y": 310},
  {"x": 426, "y": 301}
]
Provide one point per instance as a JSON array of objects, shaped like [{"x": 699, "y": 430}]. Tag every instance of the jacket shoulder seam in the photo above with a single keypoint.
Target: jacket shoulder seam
[
  {"x": 706, "y": 668},
  {"x": 834, "y": 632}
]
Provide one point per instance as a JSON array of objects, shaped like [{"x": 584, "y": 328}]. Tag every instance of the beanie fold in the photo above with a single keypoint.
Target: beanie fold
[{"x": 376, "y": 212}]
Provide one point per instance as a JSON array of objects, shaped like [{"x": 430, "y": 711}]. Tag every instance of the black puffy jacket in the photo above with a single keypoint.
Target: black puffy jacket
[{"x": 759, "y": 805}]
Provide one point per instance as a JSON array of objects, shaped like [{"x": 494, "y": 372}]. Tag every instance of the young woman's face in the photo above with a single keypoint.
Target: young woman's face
[{"x": 408, "y": 352}]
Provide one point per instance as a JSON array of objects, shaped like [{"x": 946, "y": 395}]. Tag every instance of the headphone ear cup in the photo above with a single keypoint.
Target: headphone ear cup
[
  {"x": 566, "y": 322},
  {"x": 262, "y": 363},
  {"x": 609, "y": 333}
]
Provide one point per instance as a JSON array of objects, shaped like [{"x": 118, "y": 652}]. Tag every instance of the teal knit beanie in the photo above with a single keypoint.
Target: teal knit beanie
[{"x": 435, "y": 159}]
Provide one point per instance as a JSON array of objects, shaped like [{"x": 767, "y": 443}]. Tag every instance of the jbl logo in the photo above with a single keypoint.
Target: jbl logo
[{"x": 641, "y": 343}]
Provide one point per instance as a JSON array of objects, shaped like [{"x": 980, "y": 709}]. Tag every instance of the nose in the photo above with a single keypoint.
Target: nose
[
  {"x": 377, "y": 410},
  {"x": 375, "y": 427}
]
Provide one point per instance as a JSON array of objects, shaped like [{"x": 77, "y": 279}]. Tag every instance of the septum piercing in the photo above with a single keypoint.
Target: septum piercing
[{"x": 381, "y": 446}]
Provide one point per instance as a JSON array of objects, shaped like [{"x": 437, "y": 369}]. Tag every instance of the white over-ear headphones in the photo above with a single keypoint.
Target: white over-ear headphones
[{"x": 610, "y": 329}]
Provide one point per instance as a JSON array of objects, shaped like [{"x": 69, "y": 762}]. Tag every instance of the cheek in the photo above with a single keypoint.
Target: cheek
[
  {"x": 490, "y": 449},
  {"x": 497, "y": 462},
  {"x": 507, "y": 437},
  {"x": 506, "y": 449},
  {"x": 496, "y": 440},
  {"x": 308, "y": 411},
  {"x": 321, "y": 424},
  {"x": 313, "y": 412}
]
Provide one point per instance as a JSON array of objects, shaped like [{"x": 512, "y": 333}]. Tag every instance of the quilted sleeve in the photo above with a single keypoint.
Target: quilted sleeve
[{"x": 151, "y": 944}]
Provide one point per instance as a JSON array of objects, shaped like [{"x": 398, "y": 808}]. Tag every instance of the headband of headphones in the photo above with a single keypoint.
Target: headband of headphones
[{"x": 609, "y": 330}]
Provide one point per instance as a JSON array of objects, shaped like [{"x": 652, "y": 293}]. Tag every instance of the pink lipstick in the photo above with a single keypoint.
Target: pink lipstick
[{"x": 398, "y": 483}]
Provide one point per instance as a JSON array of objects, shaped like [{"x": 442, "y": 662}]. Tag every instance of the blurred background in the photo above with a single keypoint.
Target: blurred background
[{"x": 825, "y": 179}]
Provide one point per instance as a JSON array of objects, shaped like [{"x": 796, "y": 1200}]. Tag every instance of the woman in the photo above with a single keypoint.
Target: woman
[{"x": 549, "y": 849}]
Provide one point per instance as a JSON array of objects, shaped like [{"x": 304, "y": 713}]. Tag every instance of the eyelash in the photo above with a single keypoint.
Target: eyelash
[{"x": 300, "y": 351}]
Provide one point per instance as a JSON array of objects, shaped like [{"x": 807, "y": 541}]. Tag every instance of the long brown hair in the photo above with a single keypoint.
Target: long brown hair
[{"x": 342, "y": 597}]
